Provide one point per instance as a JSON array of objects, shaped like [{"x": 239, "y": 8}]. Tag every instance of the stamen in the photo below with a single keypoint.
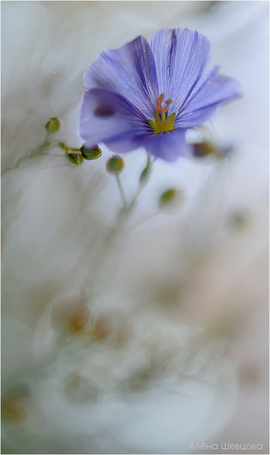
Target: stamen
[
  {"x": 158, "y": 109},
  {"x": 161, "y": 97},
  {"x": 162, "y": 121}
]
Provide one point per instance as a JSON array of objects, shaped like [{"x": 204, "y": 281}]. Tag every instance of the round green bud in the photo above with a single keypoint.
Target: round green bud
[
  {"x": 91, "y": 154},
  {"x": 53, "y": 125},
  {"x": 75, "y": 158},
  {"x": 115, "y": 164},
  {"x": 167, "y": 197},
  {"x": 239, "y": 219}
]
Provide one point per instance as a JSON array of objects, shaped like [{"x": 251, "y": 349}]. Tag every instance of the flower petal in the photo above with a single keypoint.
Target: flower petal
[
  {"x": 124, "y": 143},
  {"x": 181, "y": 56},
  {"x": 211, "y": 90},
  {"x": 129, "y": 71},
  {"x": 167, "y": 146},
  {"x": 106, "y": 115}
]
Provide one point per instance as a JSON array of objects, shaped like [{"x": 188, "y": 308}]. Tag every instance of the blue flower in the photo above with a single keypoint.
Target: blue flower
[{"x": 148, "y": 94}]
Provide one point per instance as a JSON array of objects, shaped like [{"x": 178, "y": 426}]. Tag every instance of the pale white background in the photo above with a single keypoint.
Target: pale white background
[{"x": 52, "y": 212}]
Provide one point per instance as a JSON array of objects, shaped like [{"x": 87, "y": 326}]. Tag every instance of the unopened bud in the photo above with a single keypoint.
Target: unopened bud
[
  {"x": 145, "y": 174},
  {"x": 103, "y": 327},
  {"x": 75, "y": 158},
  {"x": 70, "y": 315},
  {"x": 112, "y": 325},
  {"x": 201, "y": 149},
  {"x": 239, "y": 219},
  {"x": 53, "y": 125},
  {"x": 13, "y": 404},
  {"x": 12, "y": 410},
  {"x": 115, "y": 164},
  {"x": 78, "y": 320},
  {"x": 167, "y": 197},
  {"x": 91, "y": 154}
]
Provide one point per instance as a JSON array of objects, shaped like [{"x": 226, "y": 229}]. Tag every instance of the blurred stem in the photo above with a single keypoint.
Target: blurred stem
[
  {"x": 127, "y": 209},
  {"x": 46, "y": 145},
  {"x": 143, "y": 182},
  {"x": 73, "y": 149},
  {"x": 218, "y": 143},
  {"x": 104, "y": 266},
  {"x": 149, "y": 217},
  {"x": 121, "y": 190}
]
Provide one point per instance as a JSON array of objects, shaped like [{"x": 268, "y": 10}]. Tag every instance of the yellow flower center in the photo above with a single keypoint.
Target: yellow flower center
[{"x": 163, "y": 121}]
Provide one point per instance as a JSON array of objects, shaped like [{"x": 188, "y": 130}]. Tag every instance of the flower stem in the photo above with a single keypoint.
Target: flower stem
[
  {"x": 111, "y": 247},
  {"x": 121, "y": 190},
  {"x": 73, "y": 149},
  {"x": 149, "y": 217},
  {"x": 143, "y": 183}
]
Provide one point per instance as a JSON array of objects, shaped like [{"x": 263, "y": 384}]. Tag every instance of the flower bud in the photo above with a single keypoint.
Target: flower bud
[
  {"x": 115, "y": 164},
  {"x": 53, "y": 125},
  {"x": 202, "y": 149},
  {"x": 238, "y": 220},
  {"x": 103, "y": 327},
  {"x": 145, "y": 174},
  {"x": 167, "y": 197},
  {"x": 70, "y": 315},
  {"x": 78, "y": 320},
  {"x": 91, "y": 154},
  {"x": 12, "y": 410},
  {"x": 112, "y": 325},
  {"x": 75, "y": 158},
  {"x": 14, "y": 403}
]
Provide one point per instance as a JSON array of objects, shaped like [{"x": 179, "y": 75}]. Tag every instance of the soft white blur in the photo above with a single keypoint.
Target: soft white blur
[{"x": 171, "y": 349}]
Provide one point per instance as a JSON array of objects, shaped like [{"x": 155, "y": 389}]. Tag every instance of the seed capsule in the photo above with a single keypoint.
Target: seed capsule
[
  {"x": 75, "y": 158},
  {"x": 115, "y": 164},
  {"x": 91, "y": 154},
  {"x": 53, "y": 125},
  {"x": 167, "y": 197},
  {"x": 201, "y": 149}
]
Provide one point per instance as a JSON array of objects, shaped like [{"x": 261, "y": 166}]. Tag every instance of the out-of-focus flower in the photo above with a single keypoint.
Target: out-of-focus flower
[
  {"x": 202, "y": 149},
  {"x": 148, "y": 94}
]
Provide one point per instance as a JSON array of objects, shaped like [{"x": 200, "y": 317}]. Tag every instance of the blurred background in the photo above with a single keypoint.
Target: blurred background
[{"x": 154, "y": 340}]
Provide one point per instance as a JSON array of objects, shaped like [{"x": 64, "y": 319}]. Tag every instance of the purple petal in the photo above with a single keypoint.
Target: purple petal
[
  {"x": 124, "y": 143},
  {"x": 211, "y": 90},
  {"x": 181, "y": 56},
  {"x": 129, "y": 71},
  {"x": 106, "y": 115},
  {"x": 167, "y": 146}
]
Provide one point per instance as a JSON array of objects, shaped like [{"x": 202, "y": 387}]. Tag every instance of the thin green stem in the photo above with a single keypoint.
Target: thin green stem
[
  {"x": 62, "y": 145},
  {"x": 143, "y": 183},
  {"x": 114, "y": 241},
  {"x": 149, "y": 217},
  {"x": 73, "y": 149},
  {"x": 121, "y": 190}
]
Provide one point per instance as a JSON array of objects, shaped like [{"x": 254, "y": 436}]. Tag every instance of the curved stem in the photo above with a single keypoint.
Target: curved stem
[
  {"x": 73, "y": 149},
  {"x": 121, "y": 190},
  {"x": 143, "y": 182},
  {"x": 149, "y": 217}
]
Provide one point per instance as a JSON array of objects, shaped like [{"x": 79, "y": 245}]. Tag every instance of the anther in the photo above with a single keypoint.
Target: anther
[
  {"x": 162, "y": 121},
  {"x": 158, "y": 109},
  {"x": 161, "y": 97}
]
